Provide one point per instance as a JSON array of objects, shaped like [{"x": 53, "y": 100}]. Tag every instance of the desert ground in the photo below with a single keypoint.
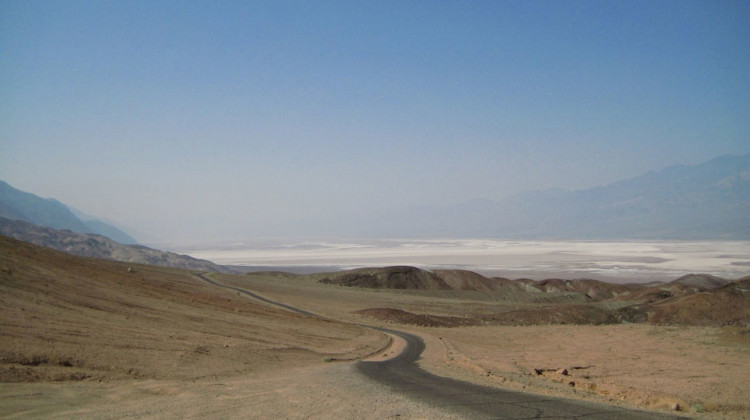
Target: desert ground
[{"x": 88, "y": 338}]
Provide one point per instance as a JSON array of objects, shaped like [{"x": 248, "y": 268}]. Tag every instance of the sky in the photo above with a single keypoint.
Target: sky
[{"x": 207, "y": 120}]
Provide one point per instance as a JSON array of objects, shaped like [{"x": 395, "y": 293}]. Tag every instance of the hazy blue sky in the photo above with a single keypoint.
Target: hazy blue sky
[{"x": 189, "y": 120}]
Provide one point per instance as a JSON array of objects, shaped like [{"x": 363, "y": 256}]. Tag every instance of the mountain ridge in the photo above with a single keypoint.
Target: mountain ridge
[
  {"x": 98, "y": 246},
  {"x": 710, "y": 200},
  {"x": 21, "y": 205}
]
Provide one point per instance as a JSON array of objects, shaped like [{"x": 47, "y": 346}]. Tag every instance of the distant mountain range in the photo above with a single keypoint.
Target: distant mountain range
[
  {"x": 49, "y": 223},
  {"x": 97, "y": 246},
  {"x": 20, "y": 205},
  {"x": 705, "y": 201}
]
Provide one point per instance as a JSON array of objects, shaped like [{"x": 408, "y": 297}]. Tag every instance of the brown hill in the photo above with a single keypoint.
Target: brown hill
[
  {"x": 689, "y": 300},
  {"x": 97, "y": 246},
  {"x": 703, "y": 281},
  {"x": 404, "y": 277},
  {"x": 657, "y": 292},
  {"x": 469, "y": 280},
  {"x": 725, "y": 305},
  {"x": 70, "y": 318},
  {"x": 399, "y": 277},
  {"x": 592, "y": 289},
  {"x": 405, "y": 317},
  {"x": 684, "y": 301}
]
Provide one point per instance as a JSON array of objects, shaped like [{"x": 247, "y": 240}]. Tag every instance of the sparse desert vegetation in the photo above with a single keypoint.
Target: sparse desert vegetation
[
  {"x": 153, "y": 341},
  {"x": 79, "y": 332},
  {"x": 375, "y": 210},
  {"x": 554, "y": 336}
]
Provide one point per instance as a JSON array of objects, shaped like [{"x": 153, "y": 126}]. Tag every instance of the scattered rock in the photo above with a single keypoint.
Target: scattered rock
[{"x": 562, "y": 371}]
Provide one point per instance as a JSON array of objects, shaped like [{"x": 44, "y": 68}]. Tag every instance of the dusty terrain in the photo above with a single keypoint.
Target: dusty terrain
[
  {"x": 88, "y": 338},
  {"x": 705, "y": 371},
  {"x": 93, "y": 338}
]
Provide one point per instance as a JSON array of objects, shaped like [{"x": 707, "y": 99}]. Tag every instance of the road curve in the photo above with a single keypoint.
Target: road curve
[{"x": 471, "y": 401}]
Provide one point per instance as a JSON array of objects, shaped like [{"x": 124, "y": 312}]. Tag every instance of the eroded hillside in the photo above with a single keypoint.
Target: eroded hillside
[
  {"x": 72, "y": 318},
  {"x": 690, "y": 300}
]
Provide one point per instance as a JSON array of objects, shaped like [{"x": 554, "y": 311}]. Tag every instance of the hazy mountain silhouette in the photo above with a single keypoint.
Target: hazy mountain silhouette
[
  {"x": 98, "y": 246},
  {"x": 705, "y": 201},
  {"x": 19, "y": 205}
]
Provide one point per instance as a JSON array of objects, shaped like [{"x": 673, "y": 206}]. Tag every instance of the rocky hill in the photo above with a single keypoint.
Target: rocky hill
[
  {"x": 724, "y": 305},
  {"x": 97, "y": 246},
  {"x": 412, "y": 278},
  {"x": 704, "y": 281},
  {"x": 695, "y": 299},
  {"x": 388, "y": 278},
  {"x": 19, "y": 205}
]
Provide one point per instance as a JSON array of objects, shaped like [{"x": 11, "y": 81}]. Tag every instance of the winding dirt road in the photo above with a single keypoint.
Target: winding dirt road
[{"x": 470, "y": 401}]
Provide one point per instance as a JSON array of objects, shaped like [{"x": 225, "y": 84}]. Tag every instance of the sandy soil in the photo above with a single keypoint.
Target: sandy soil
[
  {"x": 86, "y": 338},
  {"x": 704, "y": 371},
  {"x": 314, "y": 391}
]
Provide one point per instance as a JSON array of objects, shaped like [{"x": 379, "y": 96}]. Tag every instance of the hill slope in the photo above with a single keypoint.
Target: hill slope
[
  {"x": 387, "y": 278},
  {"x": 96, "y": 246},
  {"x": 19, "y": 205},
  {"x": 725, "y": 305},
  {"x": 94, "y": 319},
  {"x": 690, "y": 300}
]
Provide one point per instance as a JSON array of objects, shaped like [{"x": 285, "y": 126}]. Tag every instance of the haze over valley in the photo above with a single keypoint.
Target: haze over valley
[
  {"x": 411, "y": 120},
  {"x": 334, "y": 209},
  {"x": 659, "y": 226}
]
